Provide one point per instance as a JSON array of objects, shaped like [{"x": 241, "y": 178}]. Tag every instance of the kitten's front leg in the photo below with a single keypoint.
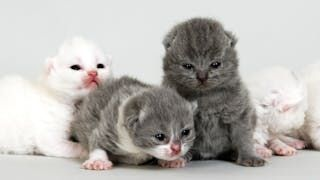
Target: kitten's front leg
[
  {"x": 263, "y": 151},
  {"x": 98, "y": 160},
  {"x": 178, "y": 163},
  {"x": 280, "y": 148},
  {"x": 293, "y": 142},
  {"x": 242, "y": 139}
]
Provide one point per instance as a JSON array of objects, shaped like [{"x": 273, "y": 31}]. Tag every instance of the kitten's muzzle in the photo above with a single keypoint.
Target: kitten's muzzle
[
  {"x": 92, "y": 74},
  {"x": 175, "y": 149},
  {"x": 202, "y": 76}
]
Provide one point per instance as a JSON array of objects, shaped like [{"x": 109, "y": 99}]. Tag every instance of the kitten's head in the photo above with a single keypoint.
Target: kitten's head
[
  {"x": 160, "y": 123},
  {"x": 200, "y": 55},
  {"x": 78, "y": 68}
]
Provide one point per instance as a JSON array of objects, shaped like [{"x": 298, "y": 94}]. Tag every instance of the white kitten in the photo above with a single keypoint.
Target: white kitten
[
  {"x": 279, "y": 97},
  {"x": 311, "y": 129},
  {"x": 35, "y": 117}
]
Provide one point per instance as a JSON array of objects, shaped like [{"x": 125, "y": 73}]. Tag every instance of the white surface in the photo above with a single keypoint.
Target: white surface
[
  {"x": 303, "y": 166},
  {"x": 270, "y": 32}
]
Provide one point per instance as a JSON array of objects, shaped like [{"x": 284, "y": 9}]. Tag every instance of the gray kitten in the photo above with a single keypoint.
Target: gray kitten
[
  {"x": 126, "y": 121},
  {"x": 201, "y": 64}
]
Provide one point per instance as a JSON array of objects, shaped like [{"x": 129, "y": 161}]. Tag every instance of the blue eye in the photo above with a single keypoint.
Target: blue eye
[{"x": 75, "y": 67}]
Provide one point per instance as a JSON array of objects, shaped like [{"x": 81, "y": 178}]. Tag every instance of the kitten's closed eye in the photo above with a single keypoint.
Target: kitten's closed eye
[
  {"x": 100, "y": 66},
  {"x": 215, "y": 65},
  {"x": 75, "y": 67}
]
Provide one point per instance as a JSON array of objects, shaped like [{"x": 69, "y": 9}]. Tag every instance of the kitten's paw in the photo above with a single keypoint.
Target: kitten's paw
[
  {"x": 297, "y": 144},
  {"x": 264, "y": 152},
  {"x": 251, "y": 162},
  {"x": 283, "y": 150},
  {"x": 97, "y": 164},
  {"x": 178, "y": 163}
]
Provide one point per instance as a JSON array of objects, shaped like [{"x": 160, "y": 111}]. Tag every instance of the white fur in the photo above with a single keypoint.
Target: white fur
[
  {"x": 311, "y": 130},
  {"x": 35, "y": 116},
  {"x": 279, "y": 97}
]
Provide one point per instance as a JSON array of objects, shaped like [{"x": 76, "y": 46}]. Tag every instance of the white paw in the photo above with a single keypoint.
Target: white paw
[
  {"x": 97, "y": 164},
  {"x": 178, "y": 163},
  {"x": 264, "y": 152},
  {"x": 284, "y": 150},
  {"x": 298, "y": 144}
]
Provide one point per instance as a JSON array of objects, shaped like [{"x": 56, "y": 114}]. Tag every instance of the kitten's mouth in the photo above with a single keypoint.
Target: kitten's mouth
[
  {"x": 202, "y": 85},
  {"x": 91, "y": 83}
]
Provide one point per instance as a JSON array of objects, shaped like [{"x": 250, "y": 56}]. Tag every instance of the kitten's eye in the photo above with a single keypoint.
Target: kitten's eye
[
  {"x": 100, "y": 66},
  {"x": 160, "y": 137},
  {"x": 188, "y": 66},
  {"x": 215, "y": 65},
  {"x": 75, "y": 67},
  {"x": 185, "y": 132}
]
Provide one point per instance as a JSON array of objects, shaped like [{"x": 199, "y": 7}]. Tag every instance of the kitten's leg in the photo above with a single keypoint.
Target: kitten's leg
[
  {"x": 241, "y": 134},
  {"x": 280, "y": 148},
  {"x": 178, "y": 163},
  {"x": 98, "y": 160},
  {"x": 62, "y": 148},
  {"x": 293, "y": 142},
  {"x": 263, "y": 151},
  {"x": 312, "y": 133}
]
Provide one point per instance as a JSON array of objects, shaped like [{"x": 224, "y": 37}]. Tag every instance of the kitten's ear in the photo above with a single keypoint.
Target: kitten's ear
[
  {"x": 232, "y": 39},
  {"x": 133, "y": 112},
  {"x": 169, "y": 39},
  {"x": 109, "y": 59},
  {"x": 49, "y": 65},
  {"x": 194, "y": 106}
]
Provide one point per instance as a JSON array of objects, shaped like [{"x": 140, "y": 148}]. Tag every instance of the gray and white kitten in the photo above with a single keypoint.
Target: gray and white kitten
[
  {"x": 201, "y": 64},
  {"x": 127, "y": 121}
]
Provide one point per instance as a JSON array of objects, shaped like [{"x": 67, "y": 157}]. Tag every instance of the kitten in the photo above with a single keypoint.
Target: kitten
[
  {"x": 126, "y": 121},
  {"x": 280, "y": 99},
  {"x": 35, "y": 116},
  {"x": 311, "y": 131},
  {"x": 201, "y": 64}
]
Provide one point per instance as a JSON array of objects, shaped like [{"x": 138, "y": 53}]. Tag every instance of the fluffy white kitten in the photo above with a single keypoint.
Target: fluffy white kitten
[
  {"x": 311, "y": 128},
  {"x": 35, "y": 116},
  {"x": 279, "y": 97}
]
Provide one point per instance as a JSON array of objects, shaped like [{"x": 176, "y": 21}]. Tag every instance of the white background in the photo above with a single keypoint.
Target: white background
[{"x": 270, "y": 32}]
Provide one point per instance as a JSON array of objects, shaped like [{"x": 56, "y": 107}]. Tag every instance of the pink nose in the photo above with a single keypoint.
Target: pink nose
[
  {"x": 93, "y": 73},
  {"x": 175, "y": 148}
]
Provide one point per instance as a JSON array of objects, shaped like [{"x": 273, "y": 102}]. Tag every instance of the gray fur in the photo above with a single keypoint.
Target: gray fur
[
  {"x": 226, "y": 119},
  {"x": 147, "y": 110}
]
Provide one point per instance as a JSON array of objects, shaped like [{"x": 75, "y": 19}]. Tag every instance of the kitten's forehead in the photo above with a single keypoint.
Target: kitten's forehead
[
  {"x": 79, "y": 50},
  {"x": 201, "y": 37},
  {"x": 167, "y": 109}
]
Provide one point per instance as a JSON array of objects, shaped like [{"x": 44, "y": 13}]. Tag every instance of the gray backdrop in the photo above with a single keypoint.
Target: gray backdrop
[{"x": 270, "y": 32}]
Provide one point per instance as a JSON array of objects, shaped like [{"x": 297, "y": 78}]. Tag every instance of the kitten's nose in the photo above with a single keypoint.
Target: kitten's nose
[
  {"x": 202, "y": 76},
  {"x": 175, "y": 148},
  {"x": 93, "y": 73}
]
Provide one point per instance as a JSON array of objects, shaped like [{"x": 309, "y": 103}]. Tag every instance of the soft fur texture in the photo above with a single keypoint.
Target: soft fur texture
[
  {"x": 280, "y": 99},
  {"x": 311, "y": 128},
  {"x": 35, "y": 116},
  {"x": 120, "y": 122},
  {"x": 201, "y": 64}
]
